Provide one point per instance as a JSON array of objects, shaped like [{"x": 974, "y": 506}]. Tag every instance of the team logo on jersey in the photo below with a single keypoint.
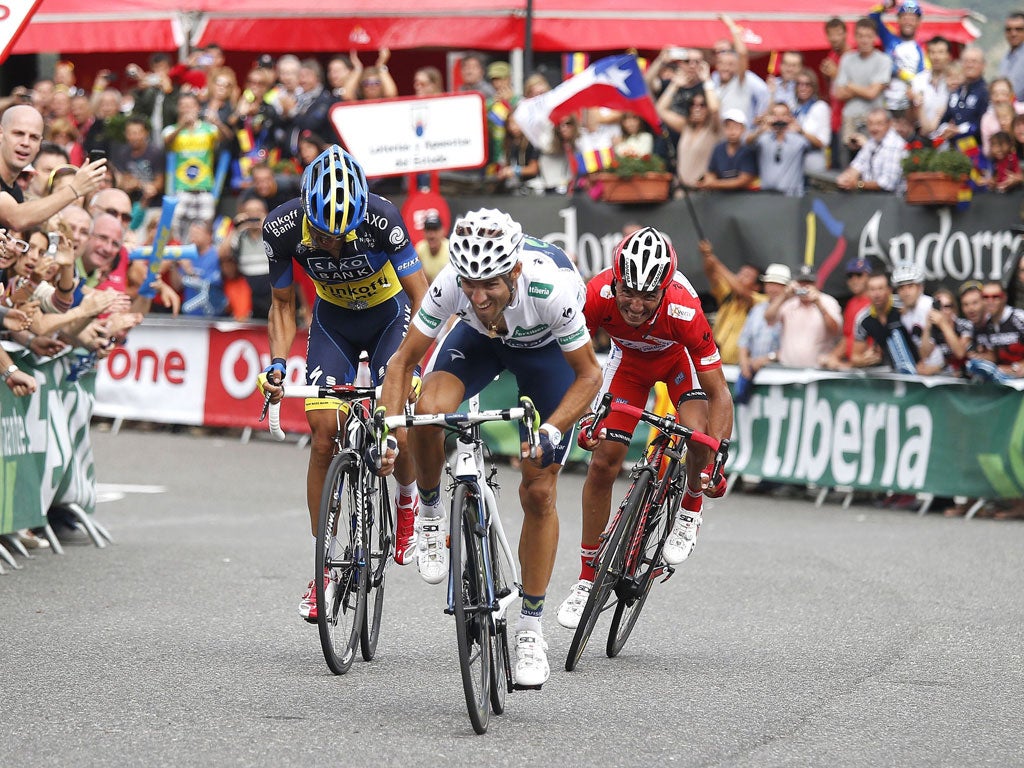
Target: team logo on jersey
[
  {"x": 681, "y": 312},
  {"x": 268, "y": 250},
  {"x": 606, "y": 291},
  {"x": 540, "y": 290},
  {"x": 568, "y": 312},
  {"x": 282, "y": 224},
  {"x": 456, "y": 354},
  {"x": 711, "y": 359},
  {"x": 397, "y": 236},
  {"x": 529, "y": 331},
  {"x": 428, "y": 320},
  {"x": 563, "y": 340}
]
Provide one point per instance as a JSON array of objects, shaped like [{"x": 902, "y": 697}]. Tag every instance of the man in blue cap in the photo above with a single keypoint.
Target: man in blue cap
[
  {"x": 907, "y": 55},
  {"x": 858, "y": 270}
]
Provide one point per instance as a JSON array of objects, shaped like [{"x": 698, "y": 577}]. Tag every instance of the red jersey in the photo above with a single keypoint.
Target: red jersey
[{"x": 678, "y": 325}]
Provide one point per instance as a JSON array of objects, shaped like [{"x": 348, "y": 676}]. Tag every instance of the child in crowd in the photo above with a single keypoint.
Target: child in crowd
[
  {"x": 1005, "y": 174},
  {"x": 1018, "y": 137}
]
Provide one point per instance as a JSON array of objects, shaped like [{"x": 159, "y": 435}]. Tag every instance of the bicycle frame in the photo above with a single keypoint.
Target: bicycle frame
[
  {"x": 369, "y": 506},
  {"x": 629, "y": 557},
  {"x": 469, "y": 478},
  {"x": 469, "y": 470}
]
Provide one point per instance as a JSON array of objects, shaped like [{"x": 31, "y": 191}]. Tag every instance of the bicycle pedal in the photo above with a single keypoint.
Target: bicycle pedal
[{"x": 518, "y": 687}]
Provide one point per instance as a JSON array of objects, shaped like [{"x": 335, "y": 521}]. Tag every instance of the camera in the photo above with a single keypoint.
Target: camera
[
  {"x": 54, "y": 238},
  {"x": 937, "y": 305},
  {"x": 801, "y": 291},
  {"x": 778, "y": 125},
  {"x": 96, "y": 154}
]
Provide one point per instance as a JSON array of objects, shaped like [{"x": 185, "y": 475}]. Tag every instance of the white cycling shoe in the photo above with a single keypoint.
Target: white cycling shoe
[
  {"x": 432, "y": 550},
  {"x": 532, "y": 669},
  {"x": 683, "y": 538},
  {"x": 571, "y": 610}
]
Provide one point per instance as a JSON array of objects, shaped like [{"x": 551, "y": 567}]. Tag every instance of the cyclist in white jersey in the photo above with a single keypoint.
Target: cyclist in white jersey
[{"x": 519, "y": 304}]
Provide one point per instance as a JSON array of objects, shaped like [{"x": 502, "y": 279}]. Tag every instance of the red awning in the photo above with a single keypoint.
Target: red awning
[
  {"x": 598, "y": 25},
  {"x": 274, "y": 27},
  {"x": 105, "y": 26},
  {"x": 76, "y": 26}
]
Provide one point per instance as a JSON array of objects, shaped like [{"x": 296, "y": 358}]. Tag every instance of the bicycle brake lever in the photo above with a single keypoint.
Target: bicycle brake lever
[
  {"x": 721, "y": 457},
  {"x": 266, "y": 407}
]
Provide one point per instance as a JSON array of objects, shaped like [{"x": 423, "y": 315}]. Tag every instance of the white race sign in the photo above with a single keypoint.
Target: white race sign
[{"x": 414, "y": 135}]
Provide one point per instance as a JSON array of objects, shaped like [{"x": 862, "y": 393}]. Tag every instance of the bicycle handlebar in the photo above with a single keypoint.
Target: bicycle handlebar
[
  {"x": 526, "y": 412},
  {"x": 667, "y": 425},
  {"x": 343, "y": 392}
]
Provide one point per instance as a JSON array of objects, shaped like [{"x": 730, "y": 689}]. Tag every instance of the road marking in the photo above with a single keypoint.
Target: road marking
[{"x": 116, "y": 491}]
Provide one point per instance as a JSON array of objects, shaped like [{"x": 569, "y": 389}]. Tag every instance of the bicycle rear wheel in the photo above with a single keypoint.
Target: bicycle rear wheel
[
  {"x": 472, "y": 614},
  {"x": 341, "y": 596},
  {"x": 609, "y": 567},
  {"x": 380, "y": 542},
  {"x": 501, "y": 571},
  {"x": 642, "y": 567}
]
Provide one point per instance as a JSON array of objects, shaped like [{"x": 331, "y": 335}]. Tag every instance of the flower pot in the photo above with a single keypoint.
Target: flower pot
[
  {"x": 932, "y": 188},
  {"x": 645, "y": 188}
]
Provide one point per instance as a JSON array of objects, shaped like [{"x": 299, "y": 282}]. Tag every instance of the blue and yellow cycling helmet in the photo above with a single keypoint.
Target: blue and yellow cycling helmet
[
  {"x": 334, "y": 192},
  {"x": 910, "y": 6}
]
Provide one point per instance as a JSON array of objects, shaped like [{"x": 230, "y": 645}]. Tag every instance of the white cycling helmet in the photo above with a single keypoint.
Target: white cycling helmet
[
  {"x": 644, "y": 261},
  {"x": 907, "y": 273},
  {"x": 485, "y": 244}
]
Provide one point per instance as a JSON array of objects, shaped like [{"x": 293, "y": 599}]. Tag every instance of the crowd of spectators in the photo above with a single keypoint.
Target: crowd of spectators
[{"x": 846, "y": 123}]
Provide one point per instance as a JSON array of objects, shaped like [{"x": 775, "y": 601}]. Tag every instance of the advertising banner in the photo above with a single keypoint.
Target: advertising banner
[
  {"x": 822, "y": 229},
  {"x": 45, "y": 450},
  {"x": 884, "y": 434}
]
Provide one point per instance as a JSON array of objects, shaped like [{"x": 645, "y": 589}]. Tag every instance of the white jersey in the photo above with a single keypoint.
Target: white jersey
[{"x": 547, "y": 307}]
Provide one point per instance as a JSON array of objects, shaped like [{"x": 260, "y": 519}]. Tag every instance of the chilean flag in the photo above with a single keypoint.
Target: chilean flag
[{"x": 614, "y": 82}]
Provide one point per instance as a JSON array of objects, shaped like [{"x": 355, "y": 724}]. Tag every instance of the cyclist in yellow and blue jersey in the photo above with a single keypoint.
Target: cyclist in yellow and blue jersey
[{"x": 356, "y": 249}]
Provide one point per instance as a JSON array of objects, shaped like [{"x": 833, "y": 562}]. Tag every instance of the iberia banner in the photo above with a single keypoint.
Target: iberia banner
[{"x": 882, "y": 434}]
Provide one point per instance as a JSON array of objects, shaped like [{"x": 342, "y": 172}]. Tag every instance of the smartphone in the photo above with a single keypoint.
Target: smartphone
[
  {"x": 97, "y": 154},
  {"x": 54, "y": 238}
]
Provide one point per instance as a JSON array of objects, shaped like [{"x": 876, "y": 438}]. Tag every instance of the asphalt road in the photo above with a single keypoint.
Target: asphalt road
[{"x": 794, "y": 636}]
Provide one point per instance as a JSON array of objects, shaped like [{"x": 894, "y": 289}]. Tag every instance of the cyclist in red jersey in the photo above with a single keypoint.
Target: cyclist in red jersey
[{"x": 660, "y": 333}]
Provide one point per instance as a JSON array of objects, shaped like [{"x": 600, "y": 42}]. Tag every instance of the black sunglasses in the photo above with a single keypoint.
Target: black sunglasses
[{"x": 125, "y": 217}]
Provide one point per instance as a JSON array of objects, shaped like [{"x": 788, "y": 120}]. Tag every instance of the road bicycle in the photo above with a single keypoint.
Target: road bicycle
[
  {"x": 483, "y": 579},
  {"x": 355, "y": 539},
  {"x": 628, "y": 560}
]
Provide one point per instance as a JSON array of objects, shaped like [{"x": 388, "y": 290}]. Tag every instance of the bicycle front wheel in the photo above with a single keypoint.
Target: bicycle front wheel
[
  {"x": 610, "y": 566},
  {"x": 643, "y": 564},
  {"x": 380, "y": 543},
  {"x": 501, "y": 571},
  {"x": 340, "y": 564},
  {"x": 472, "y": 613}
]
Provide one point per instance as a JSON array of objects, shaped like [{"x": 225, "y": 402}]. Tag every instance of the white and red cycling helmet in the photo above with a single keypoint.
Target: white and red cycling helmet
[{"x": 644, "y": 260}]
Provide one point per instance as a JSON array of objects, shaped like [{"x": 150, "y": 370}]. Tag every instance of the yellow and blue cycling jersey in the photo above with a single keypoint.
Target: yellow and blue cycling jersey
[
  {"x": 361, "y": 304},
  {"x": 374, "y": 256}
]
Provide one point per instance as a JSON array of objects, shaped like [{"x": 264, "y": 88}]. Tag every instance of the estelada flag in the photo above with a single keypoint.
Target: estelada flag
[
  {"x": 591, "y": 160},
  {"x": 574, "y": 63}
]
